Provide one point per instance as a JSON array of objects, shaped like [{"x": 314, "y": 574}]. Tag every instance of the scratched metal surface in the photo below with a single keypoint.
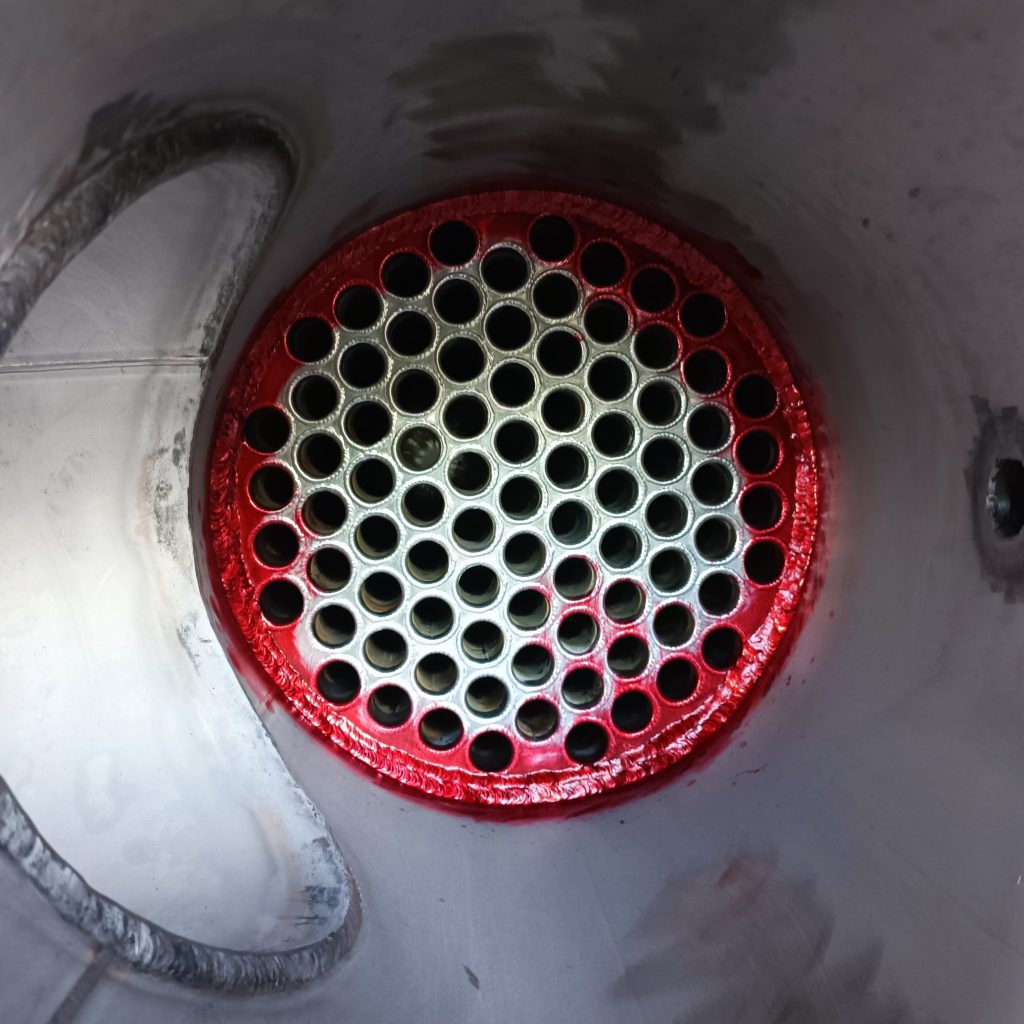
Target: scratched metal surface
[{"x": 855, "y": 851}]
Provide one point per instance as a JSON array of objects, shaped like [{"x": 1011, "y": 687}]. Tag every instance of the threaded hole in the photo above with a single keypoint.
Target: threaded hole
[
  {"x": 653, "y": 289},
  {"x": 381, "y": 593},
  {"x": 324, "y": 512},
  {"x": 453, "y": 243},
  {"x": 677, "y": 680},
  {"x": 513, "y": 384},
  {"x": 362, "y": 365},
  {"x": 606, "y": 321},
  {"x": 491, "y": 752},
  {"x": 613, "y": 434},
  {"x": 461, "y": 360},
  {"x": 482, "y": 641},
  {"x": 436, "y": 673},
  {"x": 473, "y": 529},
  {"x": 529, "y": 609},
  {"x": 532, "y": 665},
  {"x": 310, "y": 339},
  {"x": 624, "y": 601},
  {"x": 578, "y": 633},
  {"x": 338, "y": 682},
  {"x": 469, "y": 472},
  {"x": 516, "y": 441},
  {"x": 281, "y": 602},
  {"x": 555, "y": 296},
  {"x": 276, "y": 545},
  {"x": 508, "y": 328},
  {"x": 721, "y": 648},
  {"x": 358, "y": 307},
  {"x": 670, "y": 570},
  {"x": 376, "y": 537},
  {"x": 486, "y": 696},
  {"x": 367, "y": 423},
  {"x": 656, "y": 347},
  {"x": 440, "y": 729},
  {"x": 329, "y": 569},
  {"x": 414, "y": 391},
  {"x": 764, "y": 562},
  {"x": 560, "y": 353},
  {"x": 537, "y": 719},
  {"x": 706, "y": 371},
  {"x": 427, "y": 561},
  {"x": 432, "y": 618},
  {"x": 465, "y": 417},
  {"x": 405, "y": 274},
  {"x": 524, "y": 554},
  {"x": 610, "y": 378},
  {"x": 632, "y": 711},
  {"x": 385, "y": 649},
  {"x": 719, "y": 593},
  {"x": 586, "y": 742},
  {"x": 712, "y": 483},
  {"x": 372, "y": 480},
  {"x": 552, "y": 238},
  {"x": 419, "y": 448},
  {"x": 702, "y": 315},
  {"x": 271, "y": 488},
  {"x": 334, "y": 626},
  {"x": 315, "y": 397},
  {"x": 574, "y": 578},
  {"x": 757, "y": 452},
  {"x": 602, "y": 264},
  {"x": 659, "y": 403},
  {"x": 563, "y": 410},
  {"x": 673, "y": 625},
  {"x": 390, "y": 706},
  {"x": 267, "y": 430},
  {"x": 410, "y": 333},
  {"x": 571, "y": 522},
  {"x": 520, "y": 498},
  {"x": 761, "y": 507},
  {"x": 708, "y": 428},
  {"x": 620, "y": 547},
  {"x": 478, "y": 585},
  {"x": 617, "y": 491},
  {"x": 715, "y": 539},
  {"x": 582, "y": 687},
  {"x": 457, "y": 301},
  {"x": 666, "y": 515},
  {"x": 566, "y": 466},
  {"x": 423, "y": 504},
  {"x": 755, "y": 396},
  {"x": 505, "y": 270},
  {"x": 319, "y": 456}
]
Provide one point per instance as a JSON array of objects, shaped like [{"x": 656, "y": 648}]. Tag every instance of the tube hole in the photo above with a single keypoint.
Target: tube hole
[
  {"x": 385, "y": 649},
  {"x": 761, "y": 507},
  {"x": 469, "y": 472},
  {"x": 372, "y": 480},
  {"x": 653, "y": 289},
  {"x": 566, "y": 466},
  {"x": 486, "y": 696},
  {"x": 552, "y": 238},
  {"x": 516, "y": 441},
  {"x": 764, "y": 562},
  {"x": 319, "y": 456},
  {"x": 586, "y": 742},
  {"x": 582, "y": 687},
  {"x": 362, "y": 365},
  {"x": 757, "y": 452},
  {"x": 673, "y": 625},
  {"x": 376, "y": 537},
  {"x": 457, "y": 301},
  {"x": 719, "y": 593},
  {"x": 532, "y": 665},
  {"x": 563, "y": 410},
  {"x": 436, "y": 673},
  {"x": 712, "y": 483},
  {"x": 663, "y": 459},
  {"x": 560, "y": 353},
  {"x": 513, "y": 385},
  {"x": 271, "y": 488},
  {"x": 529, "y": 609},
  {"x": 659, "y": 403},
  {"x": 578, "y": 633},
  {"x": 482, "y": 641},
  {"x": 613, "y": 434},
  {"x": 334, "y": 626},
  {"x": 473, "y": 529},
  {"x": 491, "y": 752},
  {"x": 537, "y": 719},
  {"x": 461, "y": 359},
  {"x": 441, "y": 729},
  {"x": 715, "y": 539},
  {"x": 414, "y": 391},
  {"x": 1005, "y": 498},
  {"x": 329, "y": 569},
  {"x": 610, "y": 378},
  {"x": 465, "y": 417},
  {"x": 606, "y": 321},
  {"x": 432, "y": 618},
  {"x": 525, "y": 554},
  {"x": 620, "y": 547},
  {"x": 505, "y": 270},
  {"x": 427, "y": 561},
  {"x": 706, "y": 371},
  {"x": 390, "y": 706},
  {"x": 358, "y": 307},
  {"x": 267, "y": 430},
  {"x": 656, "y": 347},
  {"x": 755, "y": 397},
  {"x": 324, "y": 512},
  {"x": 508, "y": 328},
  {"x": 405, "y": 274},
  {"x": 666, "y": 515},
  {"x": 410, "y": 333},
  {"x": 423, "y": 504},
  {"x": 520, "y": 498},
  {"x": 338, "y": 682},
  {"x": 478, "y": 585},
  {"x": 632, "y": 711},
  {"x": 367, "y": 423},
  {"x": 315, "y": 397},
  {"x": 571, "y": 522},
  {"x": 281, "y": 602},
  {"x": 381, "y": 593},
  {"x": 721, "y": 648},
  {"x": 624, "y": 601},
  {"x": 310, "y": 339},
  {"x": 555, "y": 296},
  {"x": 453, "y": 243},
  {"x": 617, "y": 491},
  {"x": 708, "y": 428},
  {"x": 670, "y": 570},
  {"x": 628, "y": 656},
  {"x": 574, "y": 578},
  {"x": 419, "y": 448},
  {"x": 702, "y": 315},
  {"x": 602, "y": 264},
  {"x": 677, "y": 680}
]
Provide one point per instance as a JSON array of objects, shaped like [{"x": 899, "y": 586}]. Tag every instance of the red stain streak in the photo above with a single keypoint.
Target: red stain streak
[{"x": 768, "y": 617}]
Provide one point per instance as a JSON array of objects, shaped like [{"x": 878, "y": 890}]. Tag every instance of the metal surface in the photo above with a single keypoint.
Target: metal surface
[
  {"x": 854, "y": 853},
  {"x": 508, "y": 561}
]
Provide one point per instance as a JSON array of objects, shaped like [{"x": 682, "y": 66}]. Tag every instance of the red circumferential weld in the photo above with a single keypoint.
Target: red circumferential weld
[{"x": 538, "y": 773}]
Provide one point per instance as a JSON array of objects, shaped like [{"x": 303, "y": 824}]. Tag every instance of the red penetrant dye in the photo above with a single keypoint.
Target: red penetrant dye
[{"x": 297, "y": 593}]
